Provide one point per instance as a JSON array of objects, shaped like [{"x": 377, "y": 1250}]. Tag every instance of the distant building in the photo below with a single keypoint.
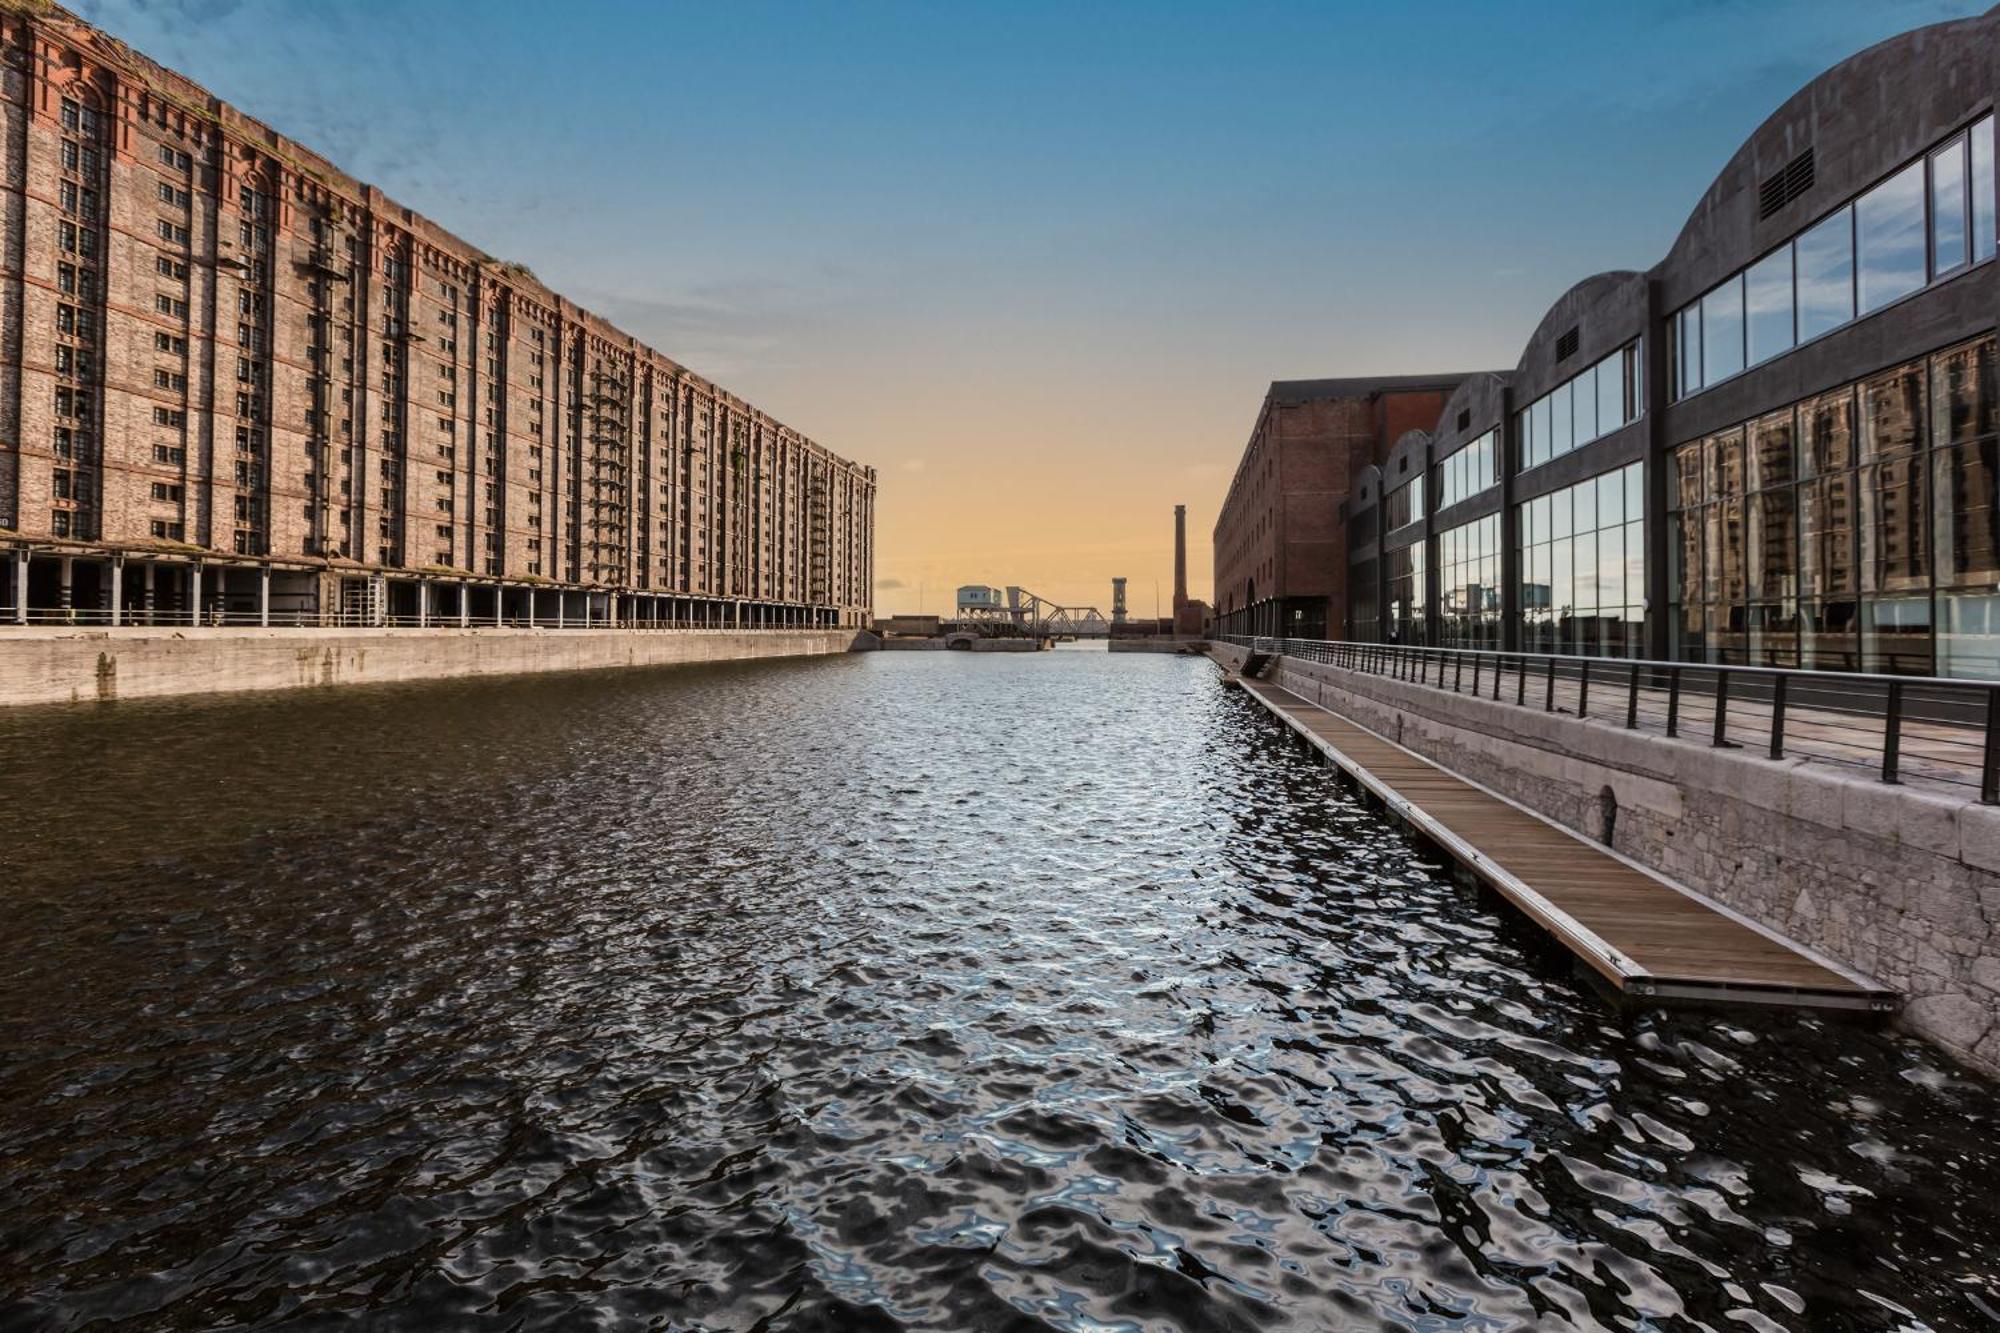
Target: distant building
[
  {"x": 976, "y": 597},
  {"x": 1280, "y": 541}
]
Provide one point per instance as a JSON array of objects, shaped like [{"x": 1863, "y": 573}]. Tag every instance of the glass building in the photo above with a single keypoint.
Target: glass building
[{"x": 1777, "y": 446}]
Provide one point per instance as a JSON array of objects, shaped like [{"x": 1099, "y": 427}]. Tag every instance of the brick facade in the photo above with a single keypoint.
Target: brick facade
[
  {"x": 215, "y": 346},
  {"x": 1280, "y": 541}
]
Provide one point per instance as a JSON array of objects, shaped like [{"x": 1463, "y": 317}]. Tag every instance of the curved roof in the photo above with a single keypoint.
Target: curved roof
[{"x": 1857, "y": 117}]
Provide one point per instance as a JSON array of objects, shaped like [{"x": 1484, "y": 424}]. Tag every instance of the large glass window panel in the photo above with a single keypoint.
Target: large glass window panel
[
  {"x": 1539, "y": 418},
  {"x": 1635, "y": 492},
  {"x": 1769, "y": 456},
  {"x": 1895, "y": 543},
  {"x": 1722, "y": 331},
  {"x": 1949, "y": 227},
  {"x": 1723, "y": 455},
  {"x": 1688, "y": 362},
  {"x": 1562, "y": 436},
  {"x": 1828, "y": 426},
  {"x": 1767, "y": 305},
  {"x": 1611, "y": 591},
  {"x": 1583, "y": 507},
  {"x": 1722, "y": 561},
  {"x": 1889, "y": 239},
  {"x": 1963, "y": 394},
  {"x": 1892, "y": 412},
  {"x": 1966, "y": 512},
  {"x": 1827, "y": 638},
  {"x": 1635, "y": 566},
  {"x": 1687, "y": 484},
  {"x": 1968, "y": 639},
  {"x": 1635, "y": 394},
  {"x": 1583, "y": 394},
  {"x": 1824, "y": 254},
  {"x": 1772, "y": 557},
  {"x": 1561, "y": 510},
  {"x": 1562, "y": 584},
  {"x": 1610, "y": 393},
  {"x": 1982, "y": 190},
  {"x": 1826, "y": 535},
  {"x": 1584, "y": 546},
  {"x": 1610, "y": 497},
  {"x": 1896, "y": 635},
  {"x": 1772, "y": 632}
]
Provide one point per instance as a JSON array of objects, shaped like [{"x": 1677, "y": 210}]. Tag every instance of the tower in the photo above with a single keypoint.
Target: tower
[{"x": 1118, "y": 601}]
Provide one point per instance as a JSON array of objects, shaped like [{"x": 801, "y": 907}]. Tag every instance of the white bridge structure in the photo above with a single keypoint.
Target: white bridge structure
[{"x": 1029, "y": 614}]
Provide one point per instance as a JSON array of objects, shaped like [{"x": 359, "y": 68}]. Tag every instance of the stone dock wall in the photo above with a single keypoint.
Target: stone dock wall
[
  {"x": 42, "y": 666},
  {"x": 1898, "y": 883}
]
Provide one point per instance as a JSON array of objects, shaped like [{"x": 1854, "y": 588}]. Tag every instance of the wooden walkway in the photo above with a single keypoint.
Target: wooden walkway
[{"x": 1643, "y": 934}]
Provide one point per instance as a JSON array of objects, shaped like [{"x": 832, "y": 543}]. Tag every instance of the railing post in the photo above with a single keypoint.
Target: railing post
[
  {"x": 1476, "y": 663},
  {"x": 1520, "y": 680},
  {"x": 1549, "y": 691},
  {"x": 1673, "y": 701},
  {"x": 1989, "y": 768},
  {"x": 1583, "y": 688},
  {"x": 1457, "y": 671},
  {"x": 1778, "y": 717},
  {"x": 1892, "y": 733},
  {"x": 1721, "y": 739},
  {"x": 1632, "y": 702}
]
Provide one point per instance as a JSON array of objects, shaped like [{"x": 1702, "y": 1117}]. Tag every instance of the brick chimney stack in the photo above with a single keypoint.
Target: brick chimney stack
[{"x": 1180, "y": 559}]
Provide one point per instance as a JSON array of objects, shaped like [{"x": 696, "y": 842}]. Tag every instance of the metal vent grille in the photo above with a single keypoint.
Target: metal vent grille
[
  {"x": 1566, "y": 345},
  {"x": 1785, "y": 185},
  {"x": 1465, "y": 418}
]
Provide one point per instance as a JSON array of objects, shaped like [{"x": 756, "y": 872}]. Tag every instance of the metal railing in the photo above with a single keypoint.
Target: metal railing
[{"x": 1898, "y": 728}]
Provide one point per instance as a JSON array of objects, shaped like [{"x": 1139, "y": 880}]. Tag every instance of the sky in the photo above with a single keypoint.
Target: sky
[{"x": 1035, "y": 262}]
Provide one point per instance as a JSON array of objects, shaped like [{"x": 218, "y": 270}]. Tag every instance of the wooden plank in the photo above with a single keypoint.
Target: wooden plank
[{"x": 1644, "y": 934}]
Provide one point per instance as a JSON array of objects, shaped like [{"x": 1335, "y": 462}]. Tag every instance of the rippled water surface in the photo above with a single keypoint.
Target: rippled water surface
[{"x": 893, "y": 991}]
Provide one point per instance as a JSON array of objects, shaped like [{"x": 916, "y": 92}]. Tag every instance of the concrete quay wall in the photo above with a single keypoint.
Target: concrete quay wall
[
  {"x": 1900, "y": 884},
  {"x": 44, "y": 665}
]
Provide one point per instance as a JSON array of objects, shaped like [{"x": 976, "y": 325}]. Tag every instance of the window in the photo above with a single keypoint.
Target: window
[
  {"x": 1465, "y": 473},
  {"x": 1722, "y": 332},
  {"x": 1950, "y": 228},
  {"x": 1826, "y": 275},
  {"x": 1767, "y": 306},
  {"x": 1468, "y": 565},
  {"x": 1982, "y": 190},
  {"x": 1889, "y": 239},
  {"x": 1582, "y": 566},
  {"x": 166, "y": 491},
  {"x": 1595, "y": 402},
  {"x": 1404, "y": 505}
]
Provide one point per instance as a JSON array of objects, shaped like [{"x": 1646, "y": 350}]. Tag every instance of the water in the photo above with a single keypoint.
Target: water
[{"x": 908, "y": 990}]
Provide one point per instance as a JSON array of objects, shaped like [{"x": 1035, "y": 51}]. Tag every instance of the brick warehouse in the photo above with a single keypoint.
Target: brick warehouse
[
  {"x": 1280, "y": 549},
  {"x": 236, "y": 382}
]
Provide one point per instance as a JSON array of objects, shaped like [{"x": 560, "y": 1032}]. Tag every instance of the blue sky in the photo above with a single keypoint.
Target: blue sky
[{"x": 1036, "y": 262}]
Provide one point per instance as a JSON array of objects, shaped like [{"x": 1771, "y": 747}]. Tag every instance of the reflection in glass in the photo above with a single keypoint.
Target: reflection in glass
[
  {"x": 1966, "y": 507},
  {"x": 1892, "y": 412},
  {"x": 1968, "y": 640},
  {"x": 1829, "y": 434},
  {"x": 1963, "y": 394},
  {"x": 1982, "y": 190},
  {"x": 1826, "y": 535},
  {"x": 1770, "y": 453},
  {"x": 1895, "y": 546},
  {"x": 1889, "y": 239},
  {"x": 1772, "y": 559},
  {"x": 1827, "y": 640},
  {"x": 1948, "y": 221},
  {"x": 1767, "y": 301},
  {"x": 1896, "y": 635},
  {"x": 1722, "y": 332},
  {"x": 1825, "y": 258}
]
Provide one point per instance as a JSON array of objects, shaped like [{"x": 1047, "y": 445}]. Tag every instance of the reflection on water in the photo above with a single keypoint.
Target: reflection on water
[{"x": 907, "y": 990}]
